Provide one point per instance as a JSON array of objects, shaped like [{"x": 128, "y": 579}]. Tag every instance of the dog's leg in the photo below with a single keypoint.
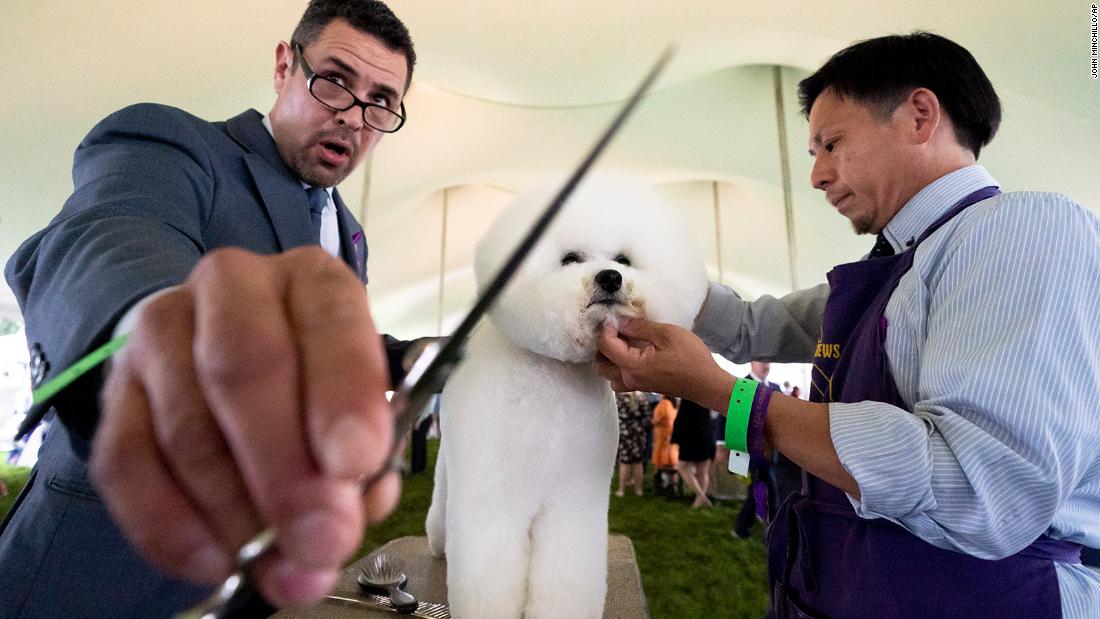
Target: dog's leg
[
  {"x": 435, "y": 524},
  {"x": 488, "y": 553},
  {"x": 569, "y": 557}
]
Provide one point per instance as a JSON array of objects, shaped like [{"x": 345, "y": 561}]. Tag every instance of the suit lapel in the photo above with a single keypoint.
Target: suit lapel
[
  {"x": 280, "y": 190},
  {"x": 353, "y": 245}
]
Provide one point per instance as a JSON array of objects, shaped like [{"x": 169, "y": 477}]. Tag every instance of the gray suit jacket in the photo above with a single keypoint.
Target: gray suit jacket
[{"x": 155, "y": 188}]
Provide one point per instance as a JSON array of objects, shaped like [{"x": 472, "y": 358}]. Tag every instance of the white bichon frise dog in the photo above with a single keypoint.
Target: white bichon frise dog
[{"x": 529, "y": 429}]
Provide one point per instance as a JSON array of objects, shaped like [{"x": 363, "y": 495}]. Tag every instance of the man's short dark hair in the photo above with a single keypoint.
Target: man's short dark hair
[
  {"x": 369, "y": 16},
  {"x": 882, "y": 72}
]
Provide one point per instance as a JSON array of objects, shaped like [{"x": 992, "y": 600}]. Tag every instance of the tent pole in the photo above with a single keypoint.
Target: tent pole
[
  {"x": 717, "y": 228},
  {"x": 785, "y": 167},
  {"x": 442, "y": 261},
  {"x": 365, "y": 200}
]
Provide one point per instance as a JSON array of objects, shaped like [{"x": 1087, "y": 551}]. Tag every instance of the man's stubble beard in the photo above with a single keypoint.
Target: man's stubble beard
[
  {"x": 864, "y": 225},
  {"x": 300, "y": 169}
]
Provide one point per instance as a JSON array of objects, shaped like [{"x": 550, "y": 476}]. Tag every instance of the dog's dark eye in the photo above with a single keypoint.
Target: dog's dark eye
[
  {"x": 571, "y": 258},
  {"x": 623, "y": 260}
]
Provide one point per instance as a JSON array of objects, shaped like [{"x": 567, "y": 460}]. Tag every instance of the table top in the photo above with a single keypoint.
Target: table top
[{"x": 428, "y": 582}]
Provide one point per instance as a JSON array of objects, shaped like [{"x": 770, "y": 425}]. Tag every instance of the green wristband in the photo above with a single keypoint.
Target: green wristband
[{"x": 737, "y": 415}]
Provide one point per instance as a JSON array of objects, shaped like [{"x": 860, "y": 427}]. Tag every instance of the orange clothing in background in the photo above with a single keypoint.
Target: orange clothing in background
[{"x": 665, "y": 453}]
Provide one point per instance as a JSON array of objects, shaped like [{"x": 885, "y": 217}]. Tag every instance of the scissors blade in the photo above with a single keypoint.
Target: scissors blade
[{"x": 434, "y": 365}]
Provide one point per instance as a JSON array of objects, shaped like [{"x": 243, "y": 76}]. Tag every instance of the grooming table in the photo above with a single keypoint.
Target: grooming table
[{"x": 428, "y": 582}]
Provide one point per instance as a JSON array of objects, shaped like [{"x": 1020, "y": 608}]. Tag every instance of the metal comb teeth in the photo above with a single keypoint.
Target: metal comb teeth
[{"x": 425, "y": 610}]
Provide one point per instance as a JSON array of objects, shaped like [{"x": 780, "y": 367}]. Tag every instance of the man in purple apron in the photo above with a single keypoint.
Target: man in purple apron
[{"x": 950, "y": 456}]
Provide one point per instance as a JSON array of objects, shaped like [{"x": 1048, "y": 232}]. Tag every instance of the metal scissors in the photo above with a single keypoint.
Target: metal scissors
[{"x": 238, "y": 597}]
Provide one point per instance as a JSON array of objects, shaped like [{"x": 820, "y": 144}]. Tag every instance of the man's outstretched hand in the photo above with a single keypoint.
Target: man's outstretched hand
[{"x": 251, "y": 396}]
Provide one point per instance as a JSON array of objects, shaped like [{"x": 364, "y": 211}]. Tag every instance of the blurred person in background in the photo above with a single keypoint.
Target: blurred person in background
[
  {"x": 633, "y": 419},
  {"x": 693, "y": 433}
]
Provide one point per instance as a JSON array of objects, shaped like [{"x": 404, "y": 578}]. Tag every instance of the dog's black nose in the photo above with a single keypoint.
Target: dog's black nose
[{"x": 610, "y": 280}]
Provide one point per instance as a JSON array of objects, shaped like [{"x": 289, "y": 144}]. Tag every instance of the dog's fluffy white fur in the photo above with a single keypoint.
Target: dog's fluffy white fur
[{"x": 529, "y": 429}]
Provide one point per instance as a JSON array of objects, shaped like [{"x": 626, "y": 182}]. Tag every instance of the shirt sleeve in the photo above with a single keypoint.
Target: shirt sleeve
[
  {"x": 1004, "y": 425},
  {"x": 783, "y": 329}
]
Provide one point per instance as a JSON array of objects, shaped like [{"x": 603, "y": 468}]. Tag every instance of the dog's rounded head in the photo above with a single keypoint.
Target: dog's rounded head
[{"x": 615, "y": 250}]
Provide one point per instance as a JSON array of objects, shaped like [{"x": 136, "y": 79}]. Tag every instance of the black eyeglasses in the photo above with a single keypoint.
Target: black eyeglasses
[{"x": 336, "y": 97}]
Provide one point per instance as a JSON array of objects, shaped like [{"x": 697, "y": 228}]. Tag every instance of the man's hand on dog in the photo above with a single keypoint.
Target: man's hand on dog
[
  {"x": 661, "y": 358},
  {"x": 251, "y": 396}
]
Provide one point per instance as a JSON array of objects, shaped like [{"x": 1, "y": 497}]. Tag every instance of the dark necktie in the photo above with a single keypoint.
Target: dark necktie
[
  {"x": 882, "y": 248},
  {"x": 318, "y": 199}
]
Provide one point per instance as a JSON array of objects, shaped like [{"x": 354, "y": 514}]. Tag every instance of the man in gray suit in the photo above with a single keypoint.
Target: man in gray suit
[{"x": 251, "y": 394}]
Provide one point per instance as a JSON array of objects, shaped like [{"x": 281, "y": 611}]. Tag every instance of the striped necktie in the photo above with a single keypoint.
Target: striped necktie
[{"x": 318, "y": 200}]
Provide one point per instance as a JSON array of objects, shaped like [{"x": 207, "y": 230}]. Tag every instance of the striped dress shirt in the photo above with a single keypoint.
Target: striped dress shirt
[{"x": 994, "y": 343}]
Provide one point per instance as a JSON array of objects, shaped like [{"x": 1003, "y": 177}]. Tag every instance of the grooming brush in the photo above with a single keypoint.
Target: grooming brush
[{"x": 383, "y": 573}]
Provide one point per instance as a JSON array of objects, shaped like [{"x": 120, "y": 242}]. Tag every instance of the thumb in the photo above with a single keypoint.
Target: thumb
[
  {"x": 641, "y": 329},
  {"x": 614, "y": 348}
]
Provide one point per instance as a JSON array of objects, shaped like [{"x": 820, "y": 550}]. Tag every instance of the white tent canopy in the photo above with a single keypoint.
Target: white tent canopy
[{"x": 509, "y": 94}]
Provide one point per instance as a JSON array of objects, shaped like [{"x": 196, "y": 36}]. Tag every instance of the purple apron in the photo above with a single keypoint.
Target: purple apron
[{"x": 823, "y": 559}]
